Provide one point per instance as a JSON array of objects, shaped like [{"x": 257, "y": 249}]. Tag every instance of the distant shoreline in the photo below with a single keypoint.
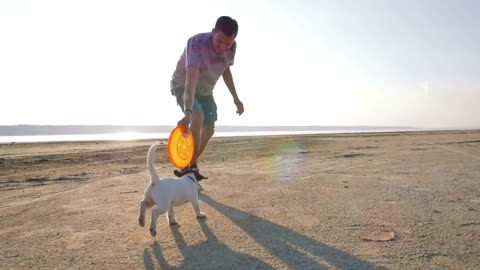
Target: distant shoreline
[
  {"x": 136, "y": 135},
  {"x": 45, "y": 130}
]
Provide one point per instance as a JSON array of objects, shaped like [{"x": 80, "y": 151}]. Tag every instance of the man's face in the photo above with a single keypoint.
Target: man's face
[{"x": 221, "y": 42}]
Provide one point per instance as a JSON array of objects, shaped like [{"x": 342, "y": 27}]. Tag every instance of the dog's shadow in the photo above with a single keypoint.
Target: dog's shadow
[
  {"x": 295, "y": 250},
  {"x": 212, "y": 254}
]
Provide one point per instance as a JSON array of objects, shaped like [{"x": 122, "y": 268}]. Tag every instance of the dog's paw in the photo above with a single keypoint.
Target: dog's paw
[
  {"x": 201, "y": 215},
  {"x": 153, "y": 232},
  {"x": 141, "y": 222}
]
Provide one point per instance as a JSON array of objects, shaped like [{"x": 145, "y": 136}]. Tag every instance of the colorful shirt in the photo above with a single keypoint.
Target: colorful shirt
[{"x": 199, "y": 54}]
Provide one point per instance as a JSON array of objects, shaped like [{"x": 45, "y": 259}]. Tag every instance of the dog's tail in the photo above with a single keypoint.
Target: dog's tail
[{"x": 151, "y": 167}]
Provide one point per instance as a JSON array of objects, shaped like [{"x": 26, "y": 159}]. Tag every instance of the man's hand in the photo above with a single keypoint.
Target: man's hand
[
  {"x": 239, "y": 105},
  {"x": 185, "y": 121}
]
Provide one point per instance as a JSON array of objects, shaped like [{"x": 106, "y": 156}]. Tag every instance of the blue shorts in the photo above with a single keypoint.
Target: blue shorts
[{"x": 205, "y": 103}]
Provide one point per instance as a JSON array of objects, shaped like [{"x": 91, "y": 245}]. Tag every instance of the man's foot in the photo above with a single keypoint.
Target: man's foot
[
  {"x": 180, "y": 173},
  {"x": 193, "y": 167},
  {"x": 188, "y": 169}
]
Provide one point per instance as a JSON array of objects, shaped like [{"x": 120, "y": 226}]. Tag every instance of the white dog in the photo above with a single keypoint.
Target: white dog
[{"x": 168, "y": 192}]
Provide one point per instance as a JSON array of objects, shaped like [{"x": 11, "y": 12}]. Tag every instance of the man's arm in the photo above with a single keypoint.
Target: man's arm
[
  {"x": 228, "y": 79},
  {"x": 189, "y": 95},
  {"x": 190, "y": 87}
]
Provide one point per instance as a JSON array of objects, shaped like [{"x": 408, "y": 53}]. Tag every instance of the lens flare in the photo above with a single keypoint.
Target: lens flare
[{"x": 287, "y": 160}]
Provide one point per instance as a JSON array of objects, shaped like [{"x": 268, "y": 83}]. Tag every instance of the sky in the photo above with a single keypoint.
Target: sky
[{"x": 409, "y": 63}]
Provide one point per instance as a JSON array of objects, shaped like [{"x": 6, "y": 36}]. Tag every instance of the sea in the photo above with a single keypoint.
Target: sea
[{"x": 42, "y": 134}]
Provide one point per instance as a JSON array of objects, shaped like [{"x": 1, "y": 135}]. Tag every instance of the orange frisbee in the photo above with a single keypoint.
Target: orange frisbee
[{"x": 180, "y": 147}]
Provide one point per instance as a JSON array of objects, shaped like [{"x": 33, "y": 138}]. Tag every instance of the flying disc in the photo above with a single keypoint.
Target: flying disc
[{"x": 180, "y": 147}]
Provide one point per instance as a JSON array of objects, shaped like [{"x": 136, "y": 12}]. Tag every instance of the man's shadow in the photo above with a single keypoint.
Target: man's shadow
[{"x": 293, "y": 249}]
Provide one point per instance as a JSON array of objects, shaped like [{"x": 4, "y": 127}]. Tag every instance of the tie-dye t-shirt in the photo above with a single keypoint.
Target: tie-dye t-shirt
[{"x": 200, "y": 54}]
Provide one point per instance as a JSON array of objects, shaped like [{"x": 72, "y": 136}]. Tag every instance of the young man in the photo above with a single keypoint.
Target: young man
[{"x": 206, "y": 58}]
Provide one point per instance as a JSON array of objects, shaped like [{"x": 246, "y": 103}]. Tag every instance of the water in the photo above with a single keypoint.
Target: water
[{"x": 128, "y": 136}]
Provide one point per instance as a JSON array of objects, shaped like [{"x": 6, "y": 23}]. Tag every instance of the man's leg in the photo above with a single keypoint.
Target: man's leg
[
  {"x": 206, "y": 134},
  {"x": 208, "y": 129},
  {"x": 196, "y": 129},
  {"x": 209, "y": 109}
]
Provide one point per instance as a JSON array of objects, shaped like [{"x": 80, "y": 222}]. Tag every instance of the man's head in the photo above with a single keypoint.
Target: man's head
[{"x": 224, "y": 34}]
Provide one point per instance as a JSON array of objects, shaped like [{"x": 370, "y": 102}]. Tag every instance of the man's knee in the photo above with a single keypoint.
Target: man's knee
[{"x": 209, "y": 129}]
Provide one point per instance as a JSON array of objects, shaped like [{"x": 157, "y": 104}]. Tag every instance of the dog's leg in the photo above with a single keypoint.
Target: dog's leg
[
  {"x": 141, "y": 214},
  {"x": 144, "y": 205},
  {"x": 171, "y": 216},
  {"x": 156, "y": 212},
  {"x": 196, "y": 208}
]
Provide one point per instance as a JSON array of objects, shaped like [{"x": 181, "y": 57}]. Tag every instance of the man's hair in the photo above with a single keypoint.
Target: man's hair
[{"x": 227, "y": 25}]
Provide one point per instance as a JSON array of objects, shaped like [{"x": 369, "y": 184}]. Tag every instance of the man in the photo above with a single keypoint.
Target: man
[{"x": 206, "y": 57}]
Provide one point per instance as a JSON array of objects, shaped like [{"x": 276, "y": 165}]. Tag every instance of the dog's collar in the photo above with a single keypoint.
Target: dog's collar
[{"x": 191, "y": 178}]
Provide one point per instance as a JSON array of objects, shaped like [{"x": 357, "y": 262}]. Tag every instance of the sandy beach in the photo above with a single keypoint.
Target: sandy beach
[{"x": 350, "y": 201}]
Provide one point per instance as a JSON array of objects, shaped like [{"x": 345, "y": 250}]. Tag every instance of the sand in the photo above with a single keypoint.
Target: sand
[{"x": 351, "y": 201}]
